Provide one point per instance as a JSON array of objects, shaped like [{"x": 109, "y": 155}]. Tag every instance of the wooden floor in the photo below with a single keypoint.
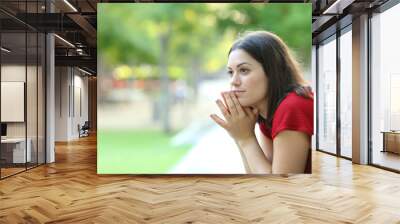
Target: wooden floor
[{"x": 70, "y": 191}]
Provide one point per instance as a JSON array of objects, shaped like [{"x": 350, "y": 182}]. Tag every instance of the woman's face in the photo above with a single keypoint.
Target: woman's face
[{"x": 248, "y": 77}]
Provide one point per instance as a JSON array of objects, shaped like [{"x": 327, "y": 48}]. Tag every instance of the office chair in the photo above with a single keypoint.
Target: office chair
[{"x": 84, "y": 130}]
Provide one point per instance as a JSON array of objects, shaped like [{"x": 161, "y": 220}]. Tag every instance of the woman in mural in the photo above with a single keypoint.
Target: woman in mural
[{"x": 267, "y": 88}]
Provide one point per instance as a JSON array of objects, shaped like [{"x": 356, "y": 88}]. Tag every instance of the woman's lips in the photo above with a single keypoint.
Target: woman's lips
[{"x": 238, "y": 92}]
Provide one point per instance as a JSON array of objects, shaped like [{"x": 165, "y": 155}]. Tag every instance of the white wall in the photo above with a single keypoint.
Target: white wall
[
  {"x": 62, "y": 81},
  {"x": 71, "y": 88},
  {"x": 81, "y": 100}
]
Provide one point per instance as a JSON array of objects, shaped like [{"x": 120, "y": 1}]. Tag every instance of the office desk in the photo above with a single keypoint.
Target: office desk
[
  {"x": 16, "y": 147},
  {"x": 391, "y": 141}
]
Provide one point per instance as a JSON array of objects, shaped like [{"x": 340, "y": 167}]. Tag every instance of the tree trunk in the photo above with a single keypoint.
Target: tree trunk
[
  {"x": 196, "y": 76},
  {"x": 165, "y": 92}
]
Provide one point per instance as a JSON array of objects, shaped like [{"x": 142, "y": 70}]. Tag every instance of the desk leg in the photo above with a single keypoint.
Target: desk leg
[{"x": 384, "y": 142}]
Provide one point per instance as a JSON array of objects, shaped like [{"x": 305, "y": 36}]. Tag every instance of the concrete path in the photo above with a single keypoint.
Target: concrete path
[{"x": 214, "y": 153}]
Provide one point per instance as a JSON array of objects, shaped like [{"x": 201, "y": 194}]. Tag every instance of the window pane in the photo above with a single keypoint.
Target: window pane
[
  {"x": 346, "y": 94},
  {"x": 327, "y": 96},
  {"x": 386, "y": 89}
]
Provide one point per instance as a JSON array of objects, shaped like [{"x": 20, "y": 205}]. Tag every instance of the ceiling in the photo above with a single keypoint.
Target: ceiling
[
  {"x": 77, "y": 25},
  {"x": 330, "y": 15}
]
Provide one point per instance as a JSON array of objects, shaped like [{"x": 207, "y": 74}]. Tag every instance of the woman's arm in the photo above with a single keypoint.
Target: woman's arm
[
  {"x": 265, "y": 144},
  {"x": 244, "y": 160},
  {"x": 240, "y": 123},
  {"x": 291, "y": 149},
  {"x": 257, "y": 162}
]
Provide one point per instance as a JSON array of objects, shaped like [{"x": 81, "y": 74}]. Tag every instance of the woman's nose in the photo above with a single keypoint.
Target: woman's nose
[{"x": 235, "y": 81}]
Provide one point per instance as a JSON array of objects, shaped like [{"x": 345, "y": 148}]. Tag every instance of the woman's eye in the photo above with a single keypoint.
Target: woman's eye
[
  {"x": 230, "y": 73},
  {"x": 243, "y": 70}
]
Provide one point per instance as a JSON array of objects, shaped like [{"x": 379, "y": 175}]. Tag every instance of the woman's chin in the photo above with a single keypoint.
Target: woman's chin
[{"x": 245, "y": 103}]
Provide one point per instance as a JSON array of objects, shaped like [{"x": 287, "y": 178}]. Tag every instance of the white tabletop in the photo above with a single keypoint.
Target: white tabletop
[{"x": 13, "y": 140}]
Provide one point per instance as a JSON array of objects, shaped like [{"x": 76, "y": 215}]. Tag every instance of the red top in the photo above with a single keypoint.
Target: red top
[{"x": 293, "y": 113}]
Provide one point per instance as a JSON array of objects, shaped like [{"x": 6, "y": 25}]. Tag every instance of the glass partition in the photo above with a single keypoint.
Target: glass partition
[
  {"x": 14, "y": 153},
  {"x": 22, "y": 87},
  {"x": 32, "y": 95},
  {"x": 41, "y": 109}
]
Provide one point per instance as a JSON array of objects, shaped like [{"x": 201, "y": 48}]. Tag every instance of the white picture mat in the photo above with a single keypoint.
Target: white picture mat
[{"x": 12, "y": 101}]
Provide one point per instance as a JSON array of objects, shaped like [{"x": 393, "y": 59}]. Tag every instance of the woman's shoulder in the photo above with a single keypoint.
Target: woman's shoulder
[
  {"x": 295, "y": 112},
  {"x": 293, "y": 101}
]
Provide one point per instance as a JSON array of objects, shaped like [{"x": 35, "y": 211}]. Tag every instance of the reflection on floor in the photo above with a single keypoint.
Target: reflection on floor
[
  {"x": 10, "y": 169},
  {"x": 386, "y": 159}
]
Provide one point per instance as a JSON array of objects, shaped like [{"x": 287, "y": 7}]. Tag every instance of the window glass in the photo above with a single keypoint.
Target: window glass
[
  {"x": 346, "y": 94},
  {"x": 327, "y": 96},
  {"x": 385, "y": 86}
]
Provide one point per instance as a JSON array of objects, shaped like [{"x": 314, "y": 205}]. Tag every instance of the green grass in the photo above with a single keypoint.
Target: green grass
[{"x": 136, "y": 152}]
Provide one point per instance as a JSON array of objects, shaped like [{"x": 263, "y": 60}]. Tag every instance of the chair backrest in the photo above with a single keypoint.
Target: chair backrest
[{"x": 86, "y": 124}]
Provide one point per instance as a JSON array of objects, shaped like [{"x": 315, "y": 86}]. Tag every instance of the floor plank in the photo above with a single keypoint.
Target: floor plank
[{"x": 70, "y": 191}]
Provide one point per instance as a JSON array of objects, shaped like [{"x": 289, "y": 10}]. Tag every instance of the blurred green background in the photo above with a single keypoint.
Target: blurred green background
[{"x": 162, "y": 65}]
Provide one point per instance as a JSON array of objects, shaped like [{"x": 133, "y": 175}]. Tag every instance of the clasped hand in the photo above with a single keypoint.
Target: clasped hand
[{"x": 239, "y": 121}]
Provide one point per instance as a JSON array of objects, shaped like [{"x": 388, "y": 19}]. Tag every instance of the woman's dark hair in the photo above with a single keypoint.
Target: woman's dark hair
[{"x": 282, "y": 70}]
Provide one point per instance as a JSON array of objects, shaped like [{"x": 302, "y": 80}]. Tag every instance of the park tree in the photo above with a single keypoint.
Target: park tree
[{"x": 157, "y": 34}]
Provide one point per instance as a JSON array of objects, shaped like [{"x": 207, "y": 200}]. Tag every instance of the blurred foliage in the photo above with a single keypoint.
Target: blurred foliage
[
  {"x": 290, "y": 21},
  {"x": 199, "y": 34},
  {"x": 124, "y": 72}
]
